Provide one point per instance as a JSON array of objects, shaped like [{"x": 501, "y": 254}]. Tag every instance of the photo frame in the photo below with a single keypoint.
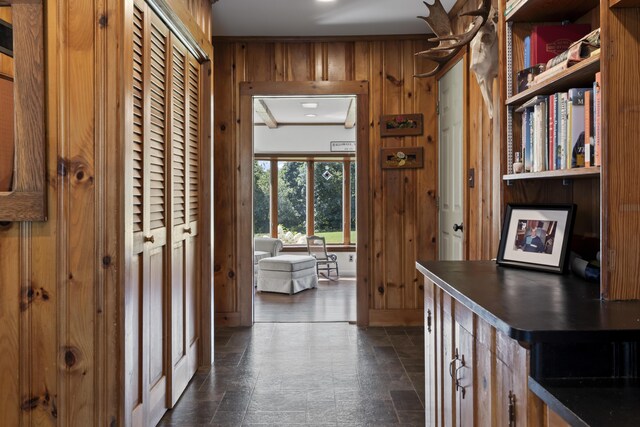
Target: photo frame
[
  {"x": 401, "y": 125},
  {"x": 402, "y": 158},
  {"x": 536, "y": 237}
]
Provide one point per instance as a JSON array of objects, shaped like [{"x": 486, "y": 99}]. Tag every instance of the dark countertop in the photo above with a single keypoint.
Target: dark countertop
[
  {"x": 534, "y": 306},
  {"x": 591, "y": 402}
]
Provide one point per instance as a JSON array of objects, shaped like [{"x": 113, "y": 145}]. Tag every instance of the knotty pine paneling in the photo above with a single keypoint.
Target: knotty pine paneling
[
  {"x": 61, "y": 281},
  {"x": 403, "y": 209}
]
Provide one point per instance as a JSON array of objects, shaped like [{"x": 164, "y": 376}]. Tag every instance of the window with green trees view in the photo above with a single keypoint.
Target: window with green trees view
[{"x": 331, "y": 181}]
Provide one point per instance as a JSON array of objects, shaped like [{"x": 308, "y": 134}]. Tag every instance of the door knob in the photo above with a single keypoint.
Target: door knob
[{"x": 457, "y": 227}]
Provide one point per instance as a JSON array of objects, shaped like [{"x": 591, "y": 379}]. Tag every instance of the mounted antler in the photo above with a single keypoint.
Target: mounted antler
[{"x": 449, "y": 44}]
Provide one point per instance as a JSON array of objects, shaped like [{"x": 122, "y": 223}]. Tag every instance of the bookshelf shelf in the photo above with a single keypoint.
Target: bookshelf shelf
[
  {"x": 550, "y": 10},
  {"x": 576, "y": 173},
  {"x": 580, "y": 74}
]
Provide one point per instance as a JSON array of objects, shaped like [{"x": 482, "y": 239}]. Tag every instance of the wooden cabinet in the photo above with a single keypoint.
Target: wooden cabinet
[
  {"x": 474, "y": 374},
  {"x": 162, "y": 136}
]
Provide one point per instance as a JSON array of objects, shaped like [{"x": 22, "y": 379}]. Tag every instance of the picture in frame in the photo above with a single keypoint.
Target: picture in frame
[
  {"x": 402, "y": 158},
  {"x": 536, "y": 237},
  {"x": 401, "y": 125}
]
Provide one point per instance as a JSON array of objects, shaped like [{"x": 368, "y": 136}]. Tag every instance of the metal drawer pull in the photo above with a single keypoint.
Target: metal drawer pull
[{"x": 149, "y": 239}]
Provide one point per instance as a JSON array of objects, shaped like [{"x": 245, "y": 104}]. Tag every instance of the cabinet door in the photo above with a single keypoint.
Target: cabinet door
[
  {"x": 504, "y": 393},
  {"x": 464, "y": 377},
  {"x": 185, "y": 137},
  {"x": 450, "y": 358},
  {"x": 145, "y": 306},
  {"x": 430, "y": 351}
]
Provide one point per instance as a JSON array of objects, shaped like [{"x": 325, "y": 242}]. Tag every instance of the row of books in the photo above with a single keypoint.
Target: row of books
[{"x": 563, "y": 130}]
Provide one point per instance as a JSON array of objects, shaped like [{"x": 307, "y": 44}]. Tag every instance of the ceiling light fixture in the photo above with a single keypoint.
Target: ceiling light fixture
[
  {"x": 310, "y": 115},
  {"x": 309, "y": 104}
]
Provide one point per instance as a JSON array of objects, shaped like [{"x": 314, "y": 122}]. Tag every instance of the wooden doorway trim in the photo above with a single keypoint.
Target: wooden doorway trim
[{"x": 245, "y": 185}]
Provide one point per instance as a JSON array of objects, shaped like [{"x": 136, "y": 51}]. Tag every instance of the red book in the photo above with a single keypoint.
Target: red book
[{"x": 548, "y": 41}]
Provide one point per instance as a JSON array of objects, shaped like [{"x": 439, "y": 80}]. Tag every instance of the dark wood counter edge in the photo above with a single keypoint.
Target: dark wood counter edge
[
  {"x": 528, "y": 336},
  {"x": 476, "y": 308},
  {"x": 552, "y": 402}
]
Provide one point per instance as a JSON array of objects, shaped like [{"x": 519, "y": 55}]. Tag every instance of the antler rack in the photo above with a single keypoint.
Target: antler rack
[{"x": 449, "y": 44}]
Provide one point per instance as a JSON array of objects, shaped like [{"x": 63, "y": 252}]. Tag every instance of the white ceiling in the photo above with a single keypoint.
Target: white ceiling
[
  {"x": 291, "y": 18},
  {"x": 289, "y": 110}
]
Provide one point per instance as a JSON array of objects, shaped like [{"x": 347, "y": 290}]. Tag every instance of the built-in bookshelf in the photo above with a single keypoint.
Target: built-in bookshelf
[{"x": 561, "y": 183}]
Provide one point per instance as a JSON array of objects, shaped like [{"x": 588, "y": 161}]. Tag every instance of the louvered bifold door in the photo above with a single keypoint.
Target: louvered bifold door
[
  {"x": 147, "y": 345},
  {"x": 185, "y": 137}
]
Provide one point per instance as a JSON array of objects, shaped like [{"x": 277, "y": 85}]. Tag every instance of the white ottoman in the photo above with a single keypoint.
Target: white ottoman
[{"x": 287, "y": 274}]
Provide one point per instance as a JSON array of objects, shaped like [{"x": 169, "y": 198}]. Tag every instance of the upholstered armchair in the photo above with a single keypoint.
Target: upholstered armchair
[{"x": 265, "y": 247}]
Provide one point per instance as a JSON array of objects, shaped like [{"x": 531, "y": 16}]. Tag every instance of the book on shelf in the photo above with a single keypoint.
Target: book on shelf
[
  {"x": 575, "y": 126},
  {"x": 553, "y": 131},
  {"x": 589, "y": 151},
  {"x": 540, "y": 136},
  {"x": 527, "y": 52},
  {"x": 582, "y": 49},
  {"x": 548, "y": 41},
  {"x": 561, "y": 148},
  {"x": 527, "y": 157},
  {"x": 597, "y": 127}
]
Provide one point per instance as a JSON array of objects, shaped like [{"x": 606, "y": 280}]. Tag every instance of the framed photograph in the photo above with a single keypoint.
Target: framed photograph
[
  {"x": 536, "y": 237},
  {"x": 402, "y": 158},
  {"x": 401, "y": 125}
]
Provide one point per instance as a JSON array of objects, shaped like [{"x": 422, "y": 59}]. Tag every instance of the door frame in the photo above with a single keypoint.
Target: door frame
[
  {"x": 244, "y": 185},
  {"x": 463, "y": 56}
]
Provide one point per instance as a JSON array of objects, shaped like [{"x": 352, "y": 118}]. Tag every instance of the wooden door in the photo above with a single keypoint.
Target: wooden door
[
  {"x": 185, "y": 167},
  {"x": 450, "y": 149},
  {"x": 430, "y": 352},
  {"x": 148, "y": 189}
]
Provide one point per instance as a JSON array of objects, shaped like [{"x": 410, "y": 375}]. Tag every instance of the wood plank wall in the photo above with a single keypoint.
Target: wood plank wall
[
  {"x": 60, "y": 280},
  {"x": 404, "y": 202}
]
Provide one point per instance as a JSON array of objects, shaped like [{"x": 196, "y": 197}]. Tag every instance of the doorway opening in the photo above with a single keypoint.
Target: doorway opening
[
  {"x": 310, "y": 170},
  {"x": 304, "y": 208}
]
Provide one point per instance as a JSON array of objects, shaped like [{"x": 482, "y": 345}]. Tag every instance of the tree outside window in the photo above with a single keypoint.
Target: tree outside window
[{"x": 261, "y": 197}]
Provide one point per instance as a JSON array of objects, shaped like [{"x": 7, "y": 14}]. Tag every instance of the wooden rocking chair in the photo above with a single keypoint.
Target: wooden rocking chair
[{"x": 325, "y": 262}]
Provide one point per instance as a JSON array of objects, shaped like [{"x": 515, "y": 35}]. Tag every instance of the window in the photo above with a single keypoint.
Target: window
[
  {"x": 261, "y": 198},
  {"x": 327, "y": 201},
  {"x": 304, "y": 198},
  {"x": 292, "y": 202}
]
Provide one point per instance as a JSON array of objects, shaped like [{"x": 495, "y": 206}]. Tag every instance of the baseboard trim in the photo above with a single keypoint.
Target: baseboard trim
[{"x": 405, "y": 317}]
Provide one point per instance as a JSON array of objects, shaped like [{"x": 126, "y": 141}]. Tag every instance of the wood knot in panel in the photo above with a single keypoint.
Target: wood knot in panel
[
  {"x": 106, "y": 261},
  {"x": 5, "y": 225},
  {"x": 231, "y": 274},
  {"x": 381, "y": 289},
  {"x": 30, "y": 294},
  {"x": 394, "y": 80},
  {"x": 70, "y": 357},
  {"x": 103, "y": 21}
]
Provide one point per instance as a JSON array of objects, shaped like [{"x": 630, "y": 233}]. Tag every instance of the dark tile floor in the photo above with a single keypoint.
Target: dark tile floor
[{"x": 312, "y": 374}]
